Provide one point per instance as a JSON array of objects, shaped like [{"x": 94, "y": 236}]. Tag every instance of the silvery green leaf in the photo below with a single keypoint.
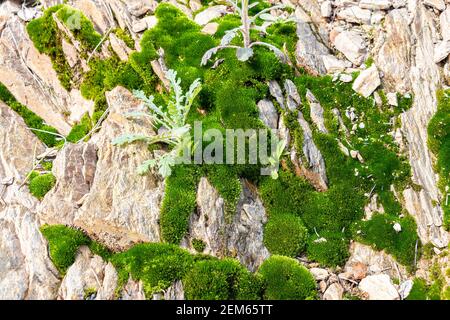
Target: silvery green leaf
[
  {"x": 165, "y": 164},
  {"x": 268, "y": 17},
  {"x": 229, "y": 36},
  {"x": 208, "y": 54},
  {"x": 129, "y": 138},
  {"x": 146, "y": 166},
  {"x": 252, "y": 5},
  {"x": 243, "y": 54}
]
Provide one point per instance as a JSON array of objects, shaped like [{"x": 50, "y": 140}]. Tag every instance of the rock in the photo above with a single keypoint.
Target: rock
[
  {"x": 242, "y": 237},
  {"x": 89, "y": 273},
  {"x": 276, "y": 92},
  {"x": 334, "y": 292},
  {"x": 74, "y": 169},
  {"x": 436, "y": 4},
  {"x": 175, "y": 291},
  {"x": 352, "y": 45},
  {"x": 377, "y": 17},
  {"x": 119, "y": 47},
  {"x": 322, "y": 286},
  {"x": 441, "y": 51},
  {"x": 292, "y": 97},
  {"x": 70, "y": 53},
  {"x": 31, "y": 78},
  {"x": 333, "y": 64},
  {"x": 151, "y": 21},
  {"x": 122, "y": 207},
  {"x": 139, "y": 26},
  {"x": 392, "y": 99},
  {"x": 397, "y": 227},
  {"x": 139, "y": 8},
  {"x": 133, "y": 290},
  {"x": 379, "y": 287},
  {"x": 444, "y": 20},
  {"x": 268, "y": 113},
  {"x": 316, "y": 112},
  {"x": 195, "y": 5},
  {"x": 355, "y": 14},
  {"x": 375, "y": 4},
  {"x": 210, "y": 28},
  {"x": 326, "y": 9},
  {"x": 309, "y": 50},
  {"x": 346, "y": 78},
  {"x": 373, "y": 206},
  {"x": 209, "y": 14},
  {"x": 319, "y": 274},
  {"x": 27, "y": 14},
  {"x": 398, "y": 3},
  {"x": 26, "y": 271},
  {"x": 375, "y": 262},
  {"x": 405, "y": 289},
  {"x": 367, "y": 81},
  {"x": 95, "y": 11}
]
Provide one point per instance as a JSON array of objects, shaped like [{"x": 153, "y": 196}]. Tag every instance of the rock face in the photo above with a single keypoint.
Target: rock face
[
  {"x": 352, "y": 45},
  {"x": 31, "y": 78},
  {"x": 367, "y": 81},
  {"x": 122, "y": 207},
  {"x": 26, "y": 271},
  {"x": 243, "y": 237},
  {"x": 379, "y": 287},
  {"x": 89, "y": 278},
  {"x": 268, "y": 114}
]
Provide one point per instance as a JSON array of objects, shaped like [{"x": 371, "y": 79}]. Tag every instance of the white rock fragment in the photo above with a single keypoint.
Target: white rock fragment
[
  {"x": 151, "y": 21},
  {"x": 377, "y": 17},
  {"x": 441, "y": 51},
  {"x": 209, "y": 14},
  {"x": 319, "y": 274},
  {"x": 399, "y": 4},
  {"x": 139, "y": 26},
  {"x": 392, "y": 99},
  {"x": 210, "y": 28},
  {"x": 405, "y": 288},
  {"x": 436, "y": 4},
  {"x": 444, "y": 20},
  {"x": 375, "y": 4},
  {"x": 352, "y": 45},
  {"x": 119, "y": 47},
  {"x": 367, "y": 81},
  {"x": 326, "y": 10},
  {"x": 379, "y": 287},
  {"x": 397, "y": 227},
  {"x": 377, "y": 98},
  {"x": 333, "y": 64},
  {"x": 346, "y": 78},
  {"x": 334, "y": 292},
  {"x": 355, "y": 14}
]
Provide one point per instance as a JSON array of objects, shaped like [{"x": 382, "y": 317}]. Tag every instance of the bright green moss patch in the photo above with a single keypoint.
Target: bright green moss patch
[
  {"x": 40, "y": 184},
  {"x": 285, "y": 234},
  {"x": 419, "y": 290},
  {"x": 125, "y": 36},
  {"x": 221, "y": 280},
  {"x": 285, "y": 279},
  {"x": 379, "y": 232},
  {"x": 439, "y": 143},
  {"x": 80, "y": 130},
  {"x": 329, "y": 249},
  {"x": 30, "y": 118},
  {"x": 199, "y": 245}
]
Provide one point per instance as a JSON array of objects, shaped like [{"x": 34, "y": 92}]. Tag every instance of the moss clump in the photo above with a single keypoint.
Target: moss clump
[
  {"x": 285, "y": 279},
  {"x": 439, "y": 143},
  {"x": 329, "y": 249},
  {"x": 40, "y": 184},
  {"x": 125, "y": 36},
  {"x": 285, "y": 234},
  {"x": 221, "y": 280},
  {"x": 80, "y": 130},
  {"x": 63, "y": 244},
  {"x": 46, "y": 38},
  {"x": 199, "y": 245},
  {"x": 419, "y": 290},
  {"x": 379, "y": 232},
  {"x": 30, "y": 118}
]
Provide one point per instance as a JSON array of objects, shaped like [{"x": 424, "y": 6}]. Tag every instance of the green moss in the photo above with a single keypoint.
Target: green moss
[
  {"x": 89, "y": 293},
  {"x": 379, "y": 232},
  {"x": 221, "y": 280},
  {"x": 30, "y": 118},
  {"x": 439, "y": 143},
  {"x": 285, "y": 279},
  {"x": 330, "y": 249},
  {"x": 125, "y": 36},
  {"x": 40, "y": 184},
  {"x": 199, "y": 245},
  {"x": 285, "y": 234},
  {"x": 63, "y": 245},
  {"x": 80, "y": 130},
  {"x": 419, "y": 290}
]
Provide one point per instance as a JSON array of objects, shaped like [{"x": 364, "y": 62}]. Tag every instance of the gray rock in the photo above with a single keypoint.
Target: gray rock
[
  {"x": 276, "y": 92},
  {"x": 392, "y": 99},
  {"x": 292, "y": 97},
  {"x": 352, "y": 45},
  {"x": 268, "y": 113},
  {"x": 316, "y": 112},
  {"x": 367, "y": 81}
]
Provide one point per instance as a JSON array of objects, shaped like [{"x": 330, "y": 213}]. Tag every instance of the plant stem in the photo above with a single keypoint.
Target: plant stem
[{"x": 245, "y": 23}]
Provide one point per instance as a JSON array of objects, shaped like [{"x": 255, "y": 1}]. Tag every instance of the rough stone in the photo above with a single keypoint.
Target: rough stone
[
  {"x": 441, "y": 51},
  {"x": 375, "y": 4},
  {"x": 333, "y": 64},
  {"x": 334, "y": 292},
  {"x": 379, "y": 287},
  {"x": 355, "y": 14},
  {"x": 319, "y": 274},
  {"x": 352, "y": 45},
  {"x": 444, "y": 20},
  {"x": 436, "y": 4},
  {"x": 119, "y": 47},
  {"x": 210, "y": 28},
  {"x": 316, "y": 112},
  {"x": 209, "y": 14},
  {"x": 268, "y": 113},
  {"x": 367, "y": 81}
]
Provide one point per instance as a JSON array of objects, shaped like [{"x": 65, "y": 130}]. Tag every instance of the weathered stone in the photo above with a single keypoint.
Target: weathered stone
[
  {"x": 375, "y": 4},
  {"x": 392, "y": 99},
  {"x": 436, "y": 4},
  {"x": 319, "y": 274},
  {"x": 175, "y": 291},
  {"x": 352, "y": 45},
  {"x": 333, "y": 64},
  {"x": 405, "y": 288},
  {"x": 243, "y": 237},
  {"x": 122, "y": 207},
  {"x": 367, "y": 81},
  {"x": 139, "y": 8},
  {"x": 139, "y": 26},
  {"x": 74, "y": 169},
  {"x": 355, "y": 14},
  {"x": 88, "y": 274},
  {"x": 119, "y": 47},
  {"x": 210, "y": 28},
  {"x": 377, "y": 17},
  {"x": 334, "y": 292},
  {"x": 133, "y": 290},
  {"x": 276, "y": 92},
  {"x": 379, "y": 287},
  {"x": 444, "y": 20},
  {"x": 95, "y": 10},
  {"x": 326, "y": 9},
  {"x": 441, "y": 51},
  {"x": 268, "y": 113},
  {"x": 209, "y": 14},
  {"x": 316, "y": 112}
]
